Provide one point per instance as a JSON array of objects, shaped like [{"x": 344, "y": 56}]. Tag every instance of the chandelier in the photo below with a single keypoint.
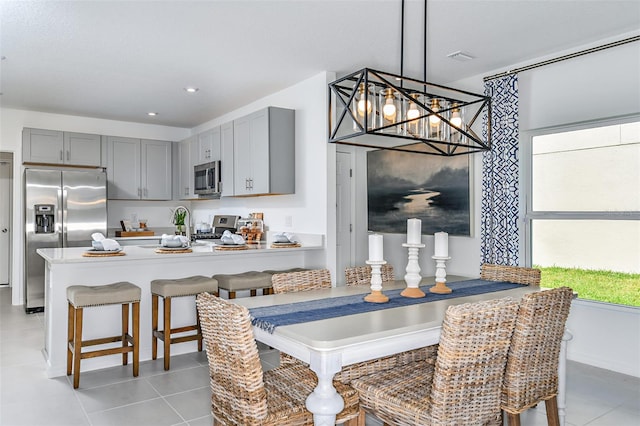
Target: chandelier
[{"x": 376, "y": 109}]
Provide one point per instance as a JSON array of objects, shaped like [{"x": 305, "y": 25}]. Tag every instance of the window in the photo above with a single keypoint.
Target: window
[{"x": 583, "y": 209}]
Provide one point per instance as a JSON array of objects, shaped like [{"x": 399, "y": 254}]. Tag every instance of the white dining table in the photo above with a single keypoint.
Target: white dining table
[{"x": 329, "y": 344}]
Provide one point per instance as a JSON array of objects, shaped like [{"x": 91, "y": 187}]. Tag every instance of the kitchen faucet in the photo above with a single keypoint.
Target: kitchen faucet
[{"x": 187, "y": 221}]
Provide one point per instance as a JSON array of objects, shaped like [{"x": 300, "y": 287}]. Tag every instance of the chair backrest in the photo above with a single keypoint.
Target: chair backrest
[
  {"x": 513, "y": 274},
  {"x": 361, "y": 275},
  {"x": 532, "y": 366},
  {"x": 471, "y": 360},
  {"x": 237, "y": 388},
  {"x": 311, "y": 279}
]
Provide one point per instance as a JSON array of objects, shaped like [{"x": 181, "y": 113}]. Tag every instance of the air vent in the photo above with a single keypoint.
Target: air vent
[{"x": 460, "y": 56}]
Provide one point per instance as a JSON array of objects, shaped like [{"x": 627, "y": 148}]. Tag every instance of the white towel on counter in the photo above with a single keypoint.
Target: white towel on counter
[
  {"x": 105, "y": 244},
  {"x": 230, "y": 238},
  {"x": 110, "y": 245},
  {"x": 284, "y": 237},
  {"x": 174, "y": 241},
  {"x": 97, "y": 236}
]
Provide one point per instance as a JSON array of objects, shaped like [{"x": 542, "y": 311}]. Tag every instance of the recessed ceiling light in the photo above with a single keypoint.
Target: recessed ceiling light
[
  {"x": 460, "y": 56},
  {"x": 152, "y": 114},
  {"x": 191, "y": 89}
]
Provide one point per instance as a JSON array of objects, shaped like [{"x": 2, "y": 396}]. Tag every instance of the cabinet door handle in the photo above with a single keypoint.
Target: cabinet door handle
[
  {"x": 68, "y": 155},
  {"x": 139, "y": 192},
  {"x": 61, "y": 157}
]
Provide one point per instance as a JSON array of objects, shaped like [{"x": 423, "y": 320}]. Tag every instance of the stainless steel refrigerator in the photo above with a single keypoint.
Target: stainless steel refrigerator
[{"x": 62, "y": 209}]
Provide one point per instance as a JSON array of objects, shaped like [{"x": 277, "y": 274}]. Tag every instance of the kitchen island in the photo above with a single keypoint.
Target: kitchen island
[{"x": 140, "y": 265}]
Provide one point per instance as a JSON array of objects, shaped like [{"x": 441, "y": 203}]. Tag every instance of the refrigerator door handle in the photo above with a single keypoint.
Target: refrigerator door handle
[{"x": 62, "y": 199}]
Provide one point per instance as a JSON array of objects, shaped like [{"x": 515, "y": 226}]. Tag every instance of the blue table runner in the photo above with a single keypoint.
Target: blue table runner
[{"x": 270, "y": 317}]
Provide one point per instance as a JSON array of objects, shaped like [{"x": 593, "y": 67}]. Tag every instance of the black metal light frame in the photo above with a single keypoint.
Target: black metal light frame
[{"x": 367, "y": 85}]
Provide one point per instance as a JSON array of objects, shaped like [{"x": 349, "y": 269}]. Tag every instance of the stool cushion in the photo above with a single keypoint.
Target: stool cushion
[
  {"x": 285, "y": 271},
  {"x": 84, "y": 295},
  {"x": 244, "y": 281},
  {"x": 189, "y": 286}
]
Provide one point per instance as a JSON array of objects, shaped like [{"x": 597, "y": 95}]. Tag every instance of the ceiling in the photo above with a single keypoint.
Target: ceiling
[{"x": 121, "y": 59}]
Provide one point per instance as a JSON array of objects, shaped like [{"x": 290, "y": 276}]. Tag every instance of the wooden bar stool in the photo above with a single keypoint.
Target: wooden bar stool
[
  {"x": 80, "y": 297},
  {"x": 252, "y": 281},
  {"x": 168, "y": 289}
]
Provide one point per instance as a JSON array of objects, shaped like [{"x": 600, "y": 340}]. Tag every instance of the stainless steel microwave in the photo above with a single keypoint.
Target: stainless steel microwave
[{"x": 207, "y": 179}]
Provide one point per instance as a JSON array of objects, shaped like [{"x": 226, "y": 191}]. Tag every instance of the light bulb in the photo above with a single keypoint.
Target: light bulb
[
  {"x": 413, "y": 112},
  {"x": 456, "y": 120},
  {"x": 361, "y": 103},
  {"x": 434, "y": 120},
  {"x": 389, "y": 108}
]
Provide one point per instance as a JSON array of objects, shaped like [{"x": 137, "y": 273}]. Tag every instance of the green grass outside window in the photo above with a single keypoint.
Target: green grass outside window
[{"x": 602, "y": 286}]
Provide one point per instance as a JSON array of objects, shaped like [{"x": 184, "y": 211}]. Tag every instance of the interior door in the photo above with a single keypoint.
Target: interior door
[
  {"x": 5, "y": 219},
  {"x": 344, "y": 213}
]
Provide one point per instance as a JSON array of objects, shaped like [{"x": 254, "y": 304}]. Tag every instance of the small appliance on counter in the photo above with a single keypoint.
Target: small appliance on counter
[
  {"x": 220, "y": 224},
  {"x": 251, "y": 228}
]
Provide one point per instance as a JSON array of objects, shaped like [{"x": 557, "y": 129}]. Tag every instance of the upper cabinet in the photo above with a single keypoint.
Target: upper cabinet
[
  {"x": 263, "y": 153},
  {"x": 185, "y": 168},
  {"x": 138, "y": 169},
  {"x": 56, "y": 147},
  {"x": 208, "y": 146},
  {"x": 226, "y": 159}
]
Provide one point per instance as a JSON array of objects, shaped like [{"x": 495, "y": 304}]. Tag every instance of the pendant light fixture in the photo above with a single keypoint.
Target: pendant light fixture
[{"x": 376, "y": 109}]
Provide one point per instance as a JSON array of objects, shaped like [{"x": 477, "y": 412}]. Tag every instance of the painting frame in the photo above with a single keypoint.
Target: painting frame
[{"x": 436, "y": 189}]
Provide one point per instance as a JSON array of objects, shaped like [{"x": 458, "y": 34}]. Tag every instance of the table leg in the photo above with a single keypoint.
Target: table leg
[
  {"x": 562, "y": 378},
  {"x": 324, "y": 402}
]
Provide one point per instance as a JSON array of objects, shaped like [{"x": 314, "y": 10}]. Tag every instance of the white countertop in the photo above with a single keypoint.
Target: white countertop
[{"x": 144, "y": 252}]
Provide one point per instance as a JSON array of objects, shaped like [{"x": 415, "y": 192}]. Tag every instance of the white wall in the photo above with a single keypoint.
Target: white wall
[
  {"x": 312, "y": 207},
  {"x": 12, "y": 122},
  {"x": 592, "y": 87}
]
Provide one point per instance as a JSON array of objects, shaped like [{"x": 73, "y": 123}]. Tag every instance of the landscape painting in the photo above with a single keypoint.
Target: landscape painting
[{"x": 404, "y": 185}]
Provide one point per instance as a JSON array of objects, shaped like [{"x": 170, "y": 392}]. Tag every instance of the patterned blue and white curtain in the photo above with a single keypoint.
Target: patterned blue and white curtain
[{"x": 499, "y": 219}]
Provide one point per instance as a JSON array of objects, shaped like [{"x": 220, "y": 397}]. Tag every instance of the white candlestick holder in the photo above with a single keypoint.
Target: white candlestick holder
[
  {"x": 441, "y": 276},
  {"x": 412, "y": 277},
  {"x": 376, "y": 295}
]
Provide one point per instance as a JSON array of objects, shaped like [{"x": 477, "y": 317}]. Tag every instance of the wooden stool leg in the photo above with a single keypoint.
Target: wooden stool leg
[
  {"x": 125, "y": 332},
  {"x": 136, "y": 338},
  {"x": 253, "y": 292},
  {"x": 513, "y": 419},
  {"x": 551, "y": 406},
  {"x": 77, "y": 348},
  {"x": 154, "y": 326},
  {"x": 70, "y": 328},
  {"x": 167, "y": 332},
  {"x": 198, "y": 330},
  {"x": 232, "y": 295}
]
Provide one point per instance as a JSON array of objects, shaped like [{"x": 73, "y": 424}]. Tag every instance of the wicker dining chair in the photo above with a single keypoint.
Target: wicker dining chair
[
  {"x": 241, "y": 393},
  {"x": 311, "y": 279},
  {"x": 532, "y": 365},
  {"x": 361, "y": 275},
  {"x": 512, "y": 274},
  {"x": 463, "y": 386}
]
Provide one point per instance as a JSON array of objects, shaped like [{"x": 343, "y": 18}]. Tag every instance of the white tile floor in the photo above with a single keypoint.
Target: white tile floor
[{"x": 112, "y": 396}]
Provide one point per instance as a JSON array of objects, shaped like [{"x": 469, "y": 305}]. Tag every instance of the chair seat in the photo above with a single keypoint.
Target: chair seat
[
  {"x": 81, "y": 296},
  {"x": 189, "y": 286},
  {"x": 405, "y": 388},
  {"x": 251, "y": 280}
]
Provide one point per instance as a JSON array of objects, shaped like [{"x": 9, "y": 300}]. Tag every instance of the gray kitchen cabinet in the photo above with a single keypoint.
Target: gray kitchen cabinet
[
  {"x": 208, "y": 146},
  {"x": 264, "y": 153},
  {"x": 226, "y": 159},
  {"x": 138, "y": 169},
  {"x": 185, "y": 188},
  {"x": 56, "y": 147}
]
